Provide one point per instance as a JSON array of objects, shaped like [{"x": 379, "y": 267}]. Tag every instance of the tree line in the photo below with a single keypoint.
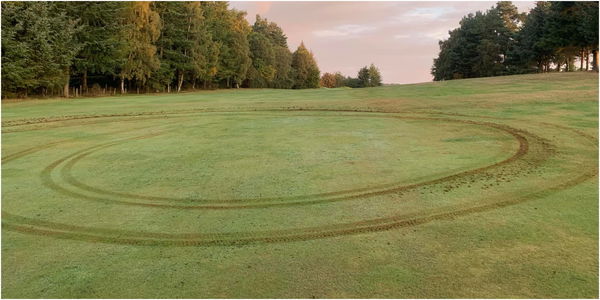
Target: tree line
[
  {"x": 366, "y": 77},
  {"x": 553, "y": 36},
  {"x": 61, "y": 48}
]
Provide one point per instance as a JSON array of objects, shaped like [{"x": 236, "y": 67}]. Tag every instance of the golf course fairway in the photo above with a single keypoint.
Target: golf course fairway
[{"x": 478, "y": 188}]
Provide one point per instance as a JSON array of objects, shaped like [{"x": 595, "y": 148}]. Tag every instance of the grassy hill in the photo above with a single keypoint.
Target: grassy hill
[{"x": 471, "y": 188}]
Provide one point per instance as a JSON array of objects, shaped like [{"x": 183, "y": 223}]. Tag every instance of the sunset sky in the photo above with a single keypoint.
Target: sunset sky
[{"x": 401, "y": 38}]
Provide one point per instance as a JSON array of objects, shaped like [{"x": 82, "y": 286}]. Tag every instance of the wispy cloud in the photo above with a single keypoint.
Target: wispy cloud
[
  {"x": 401, "y": 36},
  {"x": 428, "y": 12},
  {"x": 347, "y": 30},
  {"x": 437, "y": 35}
]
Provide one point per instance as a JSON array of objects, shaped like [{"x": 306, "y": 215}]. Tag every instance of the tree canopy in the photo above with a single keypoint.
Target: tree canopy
[
  {"x": 271, "y": 57},
  {"x": 57, "y": 48},
  {"x": 39, "y": 46},
  {"x": 502, "y": 41},
  {"x": 306, "y": 71}
]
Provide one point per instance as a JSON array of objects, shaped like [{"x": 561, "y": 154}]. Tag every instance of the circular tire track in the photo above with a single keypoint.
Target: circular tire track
[
  {"x": 89, "y": 234},
  {"x": 129, "y": 199}
]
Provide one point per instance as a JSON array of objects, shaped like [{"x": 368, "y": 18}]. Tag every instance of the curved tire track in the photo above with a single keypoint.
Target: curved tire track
[{"x": 90, "y": 234}]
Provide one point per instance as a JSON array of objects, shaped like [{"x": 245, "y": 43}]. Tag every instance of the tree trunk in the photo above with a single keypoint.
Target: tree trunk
[
  {"x": 581, "y": 60},
  {"x": 587, "y": 60},
  {"x": 228, "y": 82},
  {"x": 180, "y": 82},
  {"x": 595, "y": 60},
  {"x": 66, "y": 87},
  {"x": 84, "y": 89},
  {"x": 122, "y": 84}
]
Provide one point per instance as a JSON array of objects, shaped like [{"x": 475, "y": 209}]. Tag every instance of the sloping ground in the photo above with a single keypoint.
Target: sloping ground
[{"x": 469, "y": 188}]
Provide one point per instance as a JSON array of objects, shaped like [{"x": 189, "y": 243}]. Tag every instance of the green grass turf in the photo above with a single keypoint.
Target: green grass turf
[{"x": 469, "y": 188}]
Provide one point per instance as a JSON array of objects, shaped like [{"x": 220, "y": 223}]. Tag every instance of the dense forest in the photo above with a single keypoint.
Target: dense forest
[
  {"x": 94, "y": 48},
  {"x": 553, "y": 36}
]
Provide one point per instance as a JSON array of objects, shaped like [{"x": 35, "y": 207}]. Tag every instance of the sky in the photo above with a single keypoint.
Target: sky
[{"x": 400, "y": 38}]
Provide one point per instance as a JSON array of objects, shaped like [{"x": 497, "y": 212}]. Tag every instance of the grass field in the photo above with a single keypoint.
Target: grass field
[{"x": 468, "y": 188}]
